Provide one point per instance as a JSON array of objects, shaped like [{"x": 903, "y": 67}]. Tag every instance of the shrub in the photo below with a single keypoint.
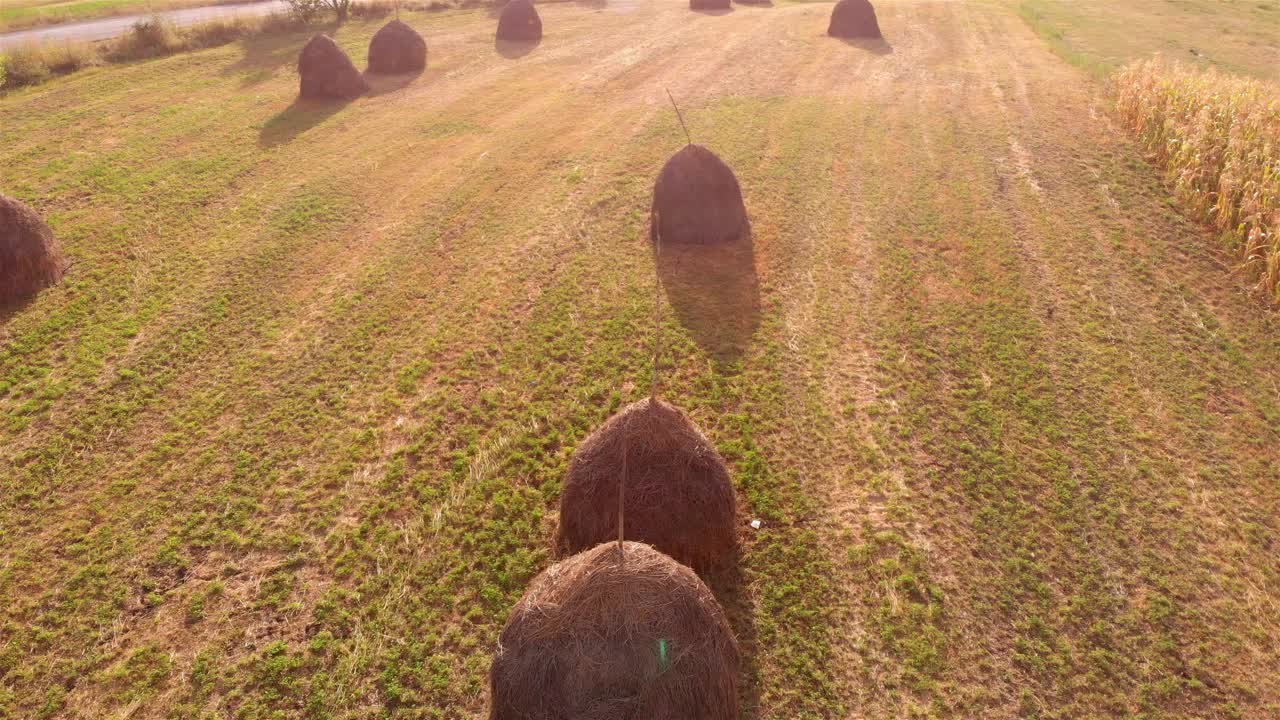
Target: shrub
[
  {"x": 69, "y": 57},
  {"x": 1218, "y": 138},
  {"x": 25, "y": 65},
  {"x": 305, "y": 10},
  {"x": 218, "y": 32},
  {"x": 276, "y": 23},
  {"x": 374, "y": 9},
  {"x": 308, "y": 9},
  {"x": 149, "y": 38},
  {"x": 31, "y": 64}
]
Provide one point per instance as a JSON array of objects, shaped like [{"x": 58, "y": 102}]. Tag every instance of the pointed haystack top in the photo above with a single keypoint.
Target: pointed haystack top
[
  {"x": 697, "y": 200},
  {"x": 678, "y": 497},
  {"x": 396, "y": 49},
  {"x": 854, "y": 19},
  {"x": 327, "y": 72},
  {"x": 519, "y": 22}
]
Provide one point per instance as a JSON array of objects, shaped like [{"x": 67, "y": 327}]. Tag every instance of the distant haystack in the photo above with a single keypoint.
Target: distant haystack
[
  {"x": 327, "y": 72},
  {"x": 519, "y": 22},
  {"x": 679, "y": 496},
  {"x": 696, "y": 200},
  {"x": 708, "y": 4},
  {"x": 396, "y": 49},
  {"x": 30, "y": 259},
  {"x": 854, "y": 19},
  {"x": 616, "y": 634}
]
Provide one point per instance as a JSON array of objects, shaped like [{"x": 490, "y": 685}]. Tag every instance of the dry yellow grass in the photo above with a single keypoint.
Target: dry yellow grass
[
  {"x": 1218, "y": 137},
  {"x": 156, "y": 36},
  {"x": 31, "y": 64}
]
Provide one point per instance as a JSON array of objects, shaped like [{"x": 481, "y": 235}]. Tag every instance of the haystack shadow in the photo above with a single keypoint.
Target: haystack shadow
[
  {"x": 875, "y": 46},
  {"x": 715, "y": 292},
  {"x": 729, "y": 587},
  {"x": 380, "y": 84},
  {"x": 512, "y": 49},
  {"x": 10, "y": 309},
  {"x": 712, "y": 11},
  {"x": 11, "y": 306},
  {"x": 296, "y": 119},
  {"x": 263, "y": 55}
]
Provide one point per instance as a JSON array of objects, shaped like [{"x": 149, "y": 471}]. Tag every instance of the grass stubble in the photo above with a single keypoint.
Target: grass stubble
[{"x": 285, "y": 445}]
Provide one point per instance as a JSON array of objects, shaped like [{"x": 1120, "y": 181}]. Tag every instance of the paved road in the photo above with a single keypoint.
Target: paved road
[{"x": 94, "y": 30}]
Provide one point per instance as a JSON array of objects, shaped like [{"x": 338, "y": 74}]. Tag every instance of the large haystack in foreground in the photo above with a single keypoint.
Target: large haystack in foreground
[
  {"x": 611, "y": 635},
  {"x": 30, "y": 259},
  {"x": 396, "y": 49},
  {"x": 327, "y": 72},
  {"x": 696, "y": 200},
  {"x": 519, "y": 23},
  {"x": 679, "y": 496},
  {"x": 854, "y": 19}
]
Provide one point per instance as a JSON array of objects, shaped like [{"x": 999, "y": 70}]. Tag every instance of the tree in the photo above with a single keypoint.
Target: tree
[
  {"x": 340, "y": 8},
  {"x": 308, "y": 9},
  {"x": 305, "y": 10}
]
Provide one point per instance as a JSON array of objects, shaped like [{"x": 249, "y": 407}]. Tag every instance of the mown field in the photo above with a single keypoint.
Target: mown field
[
  {"x": 1239, "y": 36},
  {"x": 287, "y": 443}
]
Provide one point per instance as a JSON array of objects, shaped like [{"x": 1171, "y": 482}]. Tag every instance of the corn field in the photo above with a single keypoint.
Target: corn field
[{"x": 1218, "y": 138}]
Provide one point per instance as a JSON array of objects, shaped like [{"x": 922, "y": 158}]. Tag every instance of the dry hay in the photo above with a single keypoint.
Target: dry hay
[
  {"x": 396, "y": 49},
  {"x": 327, "y": 72},
  {"x": 854, "y": 19},
  {"x": 611, "y": 635},
  {"x": 30, "y": 259},
  {"x": 679, "y": 496},
  {"x": 697, "y": 200},
  {"x": 519, "y": 22}
]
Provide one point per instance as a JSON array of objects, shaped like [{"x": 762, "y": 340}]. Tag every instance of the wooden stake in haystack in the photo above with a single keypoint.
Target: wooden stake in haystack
[
  {"x": 682, "y": 500},
  {"x": 699, "y": 198},
  {"x": 622, "y": 497},
  {"x": 653, "y": 390},
  {"x": 688, "y": 139}
]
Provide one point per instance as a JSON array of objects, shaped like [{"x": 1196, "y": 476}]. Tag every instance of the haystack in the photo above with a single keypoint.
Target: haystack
[
  {"x": 679, "y": 497},
  {"x": 708, "y": 4},
  {"x": 854, "y": 19},
  {"x": 327, "y": 72},
  {"x": 696, "y": 200},
  {"x": 611, "y": 635},
  {"x": 30, "y": 259},
  {"x": 396, "y": 49},
  {"x": 519, "y": 22}
]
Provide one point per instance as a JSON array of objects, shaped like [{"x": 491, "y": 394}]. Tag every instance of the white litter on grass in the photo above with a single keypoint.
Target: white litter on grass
[{"x": 755, "y": 524}]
